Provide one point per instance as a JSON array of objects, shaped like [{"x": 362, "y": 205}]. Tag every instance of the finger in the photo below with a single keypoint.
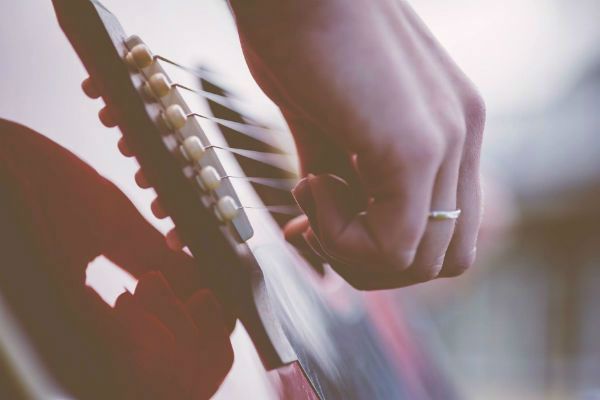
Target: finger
[
  {"x": 89, "y": 215},
  {"x": 462, "y": 250},
  {"x": 150, "y": 351},
  {"x": 432, "y": 248},
  {"x": 387, "y": 234},
  {"x": 327, "y": 207},
  {"x": 205, "y": 311},
  {"x": 214, "y": 351},
  {"x": 154, "y": 293},
  {"x": 295, "y": 228}
]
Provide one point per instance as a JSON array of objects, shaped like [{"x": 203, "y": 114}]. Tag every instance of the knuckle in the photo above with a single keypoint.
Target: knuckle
[
  {"x": 425, "y": 149},
  {"x": 475, "y": 110},
  {"x": 452, "y": 124},
  {"x": 455, "y": 132}
]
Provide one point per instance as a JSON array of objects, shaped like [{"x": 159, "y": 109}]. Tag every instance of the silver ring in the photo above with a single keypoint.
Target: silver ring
[{"x": 444, "y": 215}]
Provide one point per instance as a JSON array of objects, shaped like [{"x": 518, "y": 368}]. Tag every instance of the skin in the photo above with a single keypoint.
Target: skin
[
  {"x": 387, "y": 128},
  {"x": 170, "y": 339}
]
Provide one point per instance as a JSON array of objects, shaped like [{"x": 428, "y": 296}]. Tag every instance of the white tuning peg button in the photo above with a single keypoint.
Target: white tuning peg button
[
  {"x": 174, "y": 117},
  {"x": 192, "y": 148},
  {"x": 226, "y": 209},
  {"x": 209, "y": 178},
  {"x": 158, "y": 85},
  {"x": 140, "y": 56}
]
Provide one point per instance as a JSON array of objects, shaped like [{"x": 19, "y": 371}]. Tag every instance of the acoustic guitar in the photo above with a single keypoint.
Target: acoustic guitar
[{"x": 224, "y": 179}]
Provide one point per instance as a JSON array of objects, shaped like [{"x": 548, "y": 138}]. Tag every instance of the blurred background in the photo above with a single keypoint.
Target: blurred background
[{"x": 523, "y": 323}]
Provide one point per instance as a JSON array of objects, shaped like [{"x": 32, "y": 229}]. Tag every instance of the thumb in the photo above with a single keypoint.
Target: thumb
[{"x": 337, "y": 219}]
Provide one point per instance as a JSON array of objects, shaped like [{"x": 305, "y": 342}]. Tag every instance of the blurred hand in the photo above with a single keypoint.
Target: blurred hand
[
  {"x": 387, "y": 129},
  {"x": 170, "y": 338}
]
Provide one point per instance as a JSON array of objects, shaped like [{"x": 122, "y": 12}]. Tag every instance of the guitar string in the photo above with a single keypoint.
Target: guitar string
[
  {"x": 217, "y": 98},
  {"x": 284, "y": 184},
  {"x": 199, "y": 73},
  {"x": 291, "y": 209},
  {"x": 225, "y": 101},
  {"x": 265, "y": 135},
  {"x": 281, "y": 161},
  {"x": 222, "y": 100}
]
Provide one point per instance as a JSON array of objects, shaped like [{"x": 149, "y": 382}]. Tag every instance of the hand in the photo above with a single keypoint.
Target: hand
[
  {"x": 387, "y": 129},
  {"x": 170, "y": 339}
]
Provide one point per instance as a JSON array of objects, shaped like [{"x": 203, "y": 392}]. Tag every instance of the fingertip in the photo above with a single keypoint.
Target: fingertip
[
  {"x": 401, "y": 260},
  {"x": 458, "y": 265},
  {"x": 295, "y": 227},
  {"x": 152, "y": 284}
]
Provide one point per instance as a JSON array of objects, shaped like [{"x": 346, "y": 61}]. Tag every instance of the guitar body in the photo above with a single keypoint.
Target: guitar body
[{"x": 317, "y": 336}]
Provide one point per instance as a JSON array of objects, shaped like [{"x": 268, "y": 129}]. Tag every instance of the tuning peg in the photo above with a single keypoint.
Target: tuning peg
[
  {"x": 192, "y": 149},
  {"x": 107, "y": 117},
  {"x": 139, "y": 57},
  {"x": 157, "y": 86},
  {"x": 173, "y": 240},
  {"x": 90, "y": 89},
  {"x": 226, "y": 209},
  {"x": 158, "y": 210},
  {"x": 141, "y": 180},
  {"x": 209, "y": 178},
  {"x": 174, "y": 117},
  {"x": 124, "y": 148}
]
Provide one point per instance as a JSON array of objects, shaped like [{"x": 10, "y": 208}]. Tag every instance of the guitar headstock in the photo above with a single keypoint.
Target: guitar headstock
[
  {"x": 185, "y": 139},
  {"x": 167, "y": 140}
]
